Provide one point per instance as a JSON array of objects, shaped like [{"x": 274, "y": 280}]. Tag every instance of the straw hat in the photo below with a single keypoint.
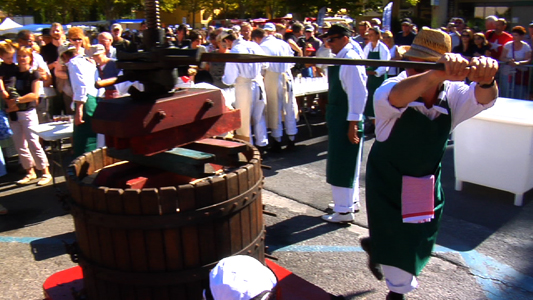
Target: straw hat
[{"x": 429, "y": 44}]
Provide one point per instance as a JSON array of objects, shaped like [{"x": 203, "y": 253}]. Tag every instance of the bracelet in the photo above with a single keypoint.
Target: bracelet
[{"x": 487, "y": 86}]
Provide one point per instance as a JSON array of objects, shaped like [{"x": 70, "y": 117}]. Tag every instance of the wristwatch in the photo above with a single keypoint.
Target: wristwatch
[
  {"x": 17, "y": 101},
  {"x": 487, "y": 86}
]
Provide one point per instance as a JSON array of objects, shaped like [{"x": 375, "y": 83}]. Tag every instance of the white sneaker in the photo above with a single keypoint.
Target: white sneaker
[
  {"x": 356, "y": 206},
  {"x": 338, "y": 218}
]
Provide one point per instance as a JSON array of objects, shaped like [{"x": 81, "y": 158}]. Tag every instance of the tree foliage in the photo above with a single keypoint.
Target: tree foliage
[{"x": 65, "y": 11}]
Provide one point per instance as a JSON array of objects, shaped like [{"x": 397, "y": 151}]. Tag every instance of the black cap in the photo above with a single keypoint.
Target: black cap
[
  {"x": 407, "y": 20},
  {"x": 338, "y": 29},
  {"x": 45, "y": 32}
]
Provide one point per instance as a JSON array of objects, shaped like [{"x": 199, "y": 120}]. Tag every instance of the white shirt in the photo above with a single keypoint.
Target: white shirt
[
  {"x": 83, "y": 75},
  {"x": 353, "y": 80},
  {"x": 112, "y": 52},
  {"x": 324, "y": 52},
  {"x": 456, "y": 39},
  {"x": 518, "y": 54},
  {"x": 393, "y": 70},
  {"x": 460, "y": 96},
  {"x": 276, "y": 47},
  {"x": 246, "y": 70},
  {"x": 384, "y": 54}
]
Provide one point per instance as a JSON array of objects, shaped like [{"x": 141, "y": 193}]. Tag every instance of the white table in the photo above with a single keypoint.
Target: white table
[
  {"x": 54, "y": 132},
  {"x": 495, "y": 148}
]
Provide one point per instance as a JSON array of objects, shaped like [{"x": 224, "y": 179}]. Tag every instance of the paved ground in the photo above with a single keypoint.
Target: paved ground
[{"x": 483, "y": 251}]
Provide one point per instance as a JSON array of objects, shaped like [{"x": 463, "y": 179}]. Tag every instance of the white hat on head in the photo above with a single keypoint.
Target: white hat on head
[
  {"x": 65, "y": 47},
  {"x": 269, "y": 27},
  {"x": 115, "y": 26},
  {"x": 240, "y": 277},
  {"x": 96, "y": 50}
]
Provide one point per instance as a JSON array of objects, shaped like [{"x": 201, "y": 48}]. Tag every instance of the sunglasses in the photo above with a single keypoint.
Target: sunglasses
[
  {"x": 465, "y": 35},
  {"x": 332, "y": 39},
  {"x": 76, "y": 40}
]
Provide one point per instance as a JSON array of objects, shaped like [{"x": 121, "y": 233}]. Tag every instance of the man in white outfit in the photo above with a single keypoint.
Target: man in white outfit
[
  {"x": 281, "y": 104},
  {"x": 250, "y": 95}
]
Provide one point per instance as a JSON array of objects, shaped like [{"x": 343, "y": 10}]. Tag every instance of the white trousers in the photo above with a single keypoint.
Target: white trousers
[
  {"x": 346, "y": 199},
  {"x": 250, "y": 98},
  {"x": 30, "y": 151},
  {"x": 398, "y": 280},
  {"x": 281, "y": 104}
]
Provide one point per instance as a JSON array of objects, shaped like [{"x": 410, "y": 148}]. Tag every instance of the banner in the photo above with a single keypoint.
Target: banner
[
  {"x": 387, "y": 17},
  {"x": 320, "y": 18}
]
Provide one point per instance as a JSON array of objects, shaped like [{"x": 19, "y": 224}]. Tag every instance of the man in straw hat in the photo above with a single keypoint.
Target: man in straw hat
[
  {"x": 415, "y": 113},
  {"x": 281, "y": 104},
  {"x": 344, "y": 115}
]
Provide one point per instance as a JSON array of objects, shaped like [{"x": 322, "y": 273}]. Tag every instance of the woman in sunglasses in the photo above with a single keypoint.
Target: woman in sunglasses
[
  {"x": 466, "y": 47},
  {"x": 481, "y": 45}
]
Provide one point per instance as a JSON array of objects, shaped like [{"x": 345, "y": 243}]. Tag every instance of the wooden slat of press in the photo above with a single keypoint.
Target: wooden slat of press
[
  {"x": 259, "y": 175},
  {"x": 78, "y": 163},
  {"x": 139, "y": 263},
  {"x": 88, "y": 201},
  {"x": 232, "y": 184},
  {"x": 206, "y": 230},
  {"x": 189, "y": 236},
  {"x": 217, "y": 146},
  {"x": 98, "y": 159},
  {"x": 222, "y": 231},
  {"x": 245, "y": 212},
  {"x": 83, "y": 235},
  {"x": 106, "y": 241},
  {"x": 89, "y": 157},
  {"x": 154, "y": 240},
  {"x": 253, "y": 207},
  {"x": 120, "y": 240},
  {"x": 108, "y": 160},
  {"x": 168, "y": 197}
]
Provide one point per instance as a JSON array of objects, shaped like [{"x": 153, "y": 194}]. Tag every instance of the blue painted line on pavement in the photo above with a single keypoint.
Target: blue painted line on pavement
[
  {"x": 498, "y": 280},
  {"x": 34, "y": 240}
]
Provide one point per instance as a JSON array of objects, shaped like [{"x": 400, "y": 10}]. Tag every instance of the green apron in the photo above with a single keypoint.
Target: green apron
[
  {"x": 83, "y": 135},
  {"x": 415, "y": 148},
  {"x": 372, "y": 85},
  {"x": 342, "y": 155}
]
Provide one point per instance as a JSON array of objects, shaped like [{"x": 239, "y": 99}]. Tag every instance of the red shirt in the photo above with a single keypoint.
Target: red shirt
[{"x": 496, "y": 42}]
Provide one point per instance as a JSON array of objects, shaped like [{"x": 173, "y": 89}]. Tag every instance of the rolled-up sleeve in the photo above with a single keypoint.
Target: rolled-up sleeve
[
  {"x": 463, "y": 103},
  {"x": 353, "y": 79}
]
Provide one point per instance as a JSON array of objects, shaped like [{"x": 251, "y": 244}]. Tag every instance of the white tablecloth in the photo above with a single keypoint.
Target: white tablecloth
[{"x": 53, "y": 131}]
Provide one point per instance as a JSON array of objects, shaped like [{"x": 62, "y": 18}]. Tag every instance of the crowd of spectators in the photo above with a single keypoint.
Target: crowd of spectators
[{"x": 60, "y": 93}]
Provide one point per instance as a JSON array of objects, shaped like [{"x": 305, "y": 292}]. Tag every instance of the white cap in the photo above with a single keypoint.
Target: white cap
[
  {"x": 236, "y": 28},
  {"x": 65, "y": 47},
  {"x": 115, "y": 26},
  {"x": 269, "y": 27},
  {"x": 96, "y": 50},
  {"x": 240, "y": 277}
]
